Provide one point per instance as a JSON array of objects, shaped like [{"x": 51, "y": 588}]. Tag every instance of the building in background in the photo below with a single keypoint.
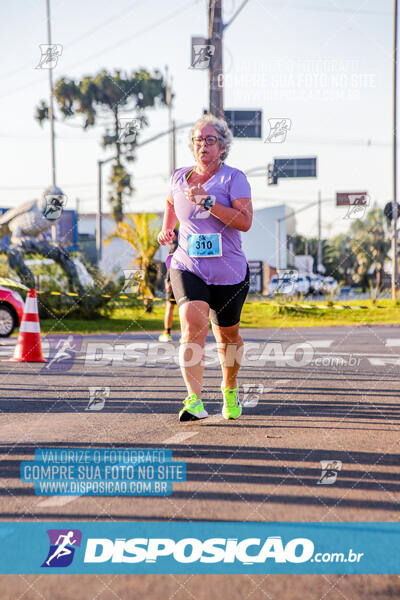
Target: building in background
[{"x": 259, "y": 243}]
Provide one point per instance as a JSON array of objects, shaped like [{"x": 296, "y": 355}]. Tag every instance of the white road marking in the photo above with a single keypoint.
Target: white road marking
[
  {"x": 320, "y": 343},
  {"x": 381, "y": 362},
  {"x": 180, "y": 437},
  {"x": 56, "y": 501}
]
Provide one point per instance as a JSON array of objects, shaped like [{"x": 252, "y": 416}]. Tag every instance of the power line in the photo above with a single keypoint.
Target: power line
[
  {"x": 79, "y": 38},
  {"x": 131, "y": 37}
]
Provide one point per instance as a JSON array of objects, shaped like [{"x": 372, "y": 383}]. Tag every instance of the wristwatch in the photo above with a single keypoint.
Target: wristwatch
[{"x": 208, "y": 202}]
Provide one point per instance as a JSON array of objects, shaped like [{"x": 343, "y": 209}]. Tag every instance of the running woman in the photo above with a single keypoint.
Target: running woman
[{"x": 209, "y": 271}]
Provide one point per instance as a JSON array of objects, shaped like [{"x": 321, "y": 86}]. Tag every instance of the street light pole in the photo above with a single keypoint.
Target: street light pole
[
  {"x": 319, "y": 251},
  {"x": 51, "y": 117},
  {"x": 278, "y": 243},
  {"x": 99, "y": 211},
  {"x": 395, "y": 263}
]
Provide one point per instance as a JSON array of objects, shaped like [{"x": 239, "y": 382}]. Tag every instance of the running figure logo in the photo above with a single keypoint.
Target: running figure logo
[
  {"x": 50, "y": 54},
  {"x": 98, "y": 396},
  {"x": 62, "y": 352},
  {"x": 329, "y": 471},
  {"x": 55, "y": 203},
  {"x": 251, "y": 394},
  {"x": 357, "y": 206},
  {"x": 62, "y": 547},
  {"x": 278, "y": 129},
  {"x": 201, "y": 55},
  {"x": 128, "y": 129}
]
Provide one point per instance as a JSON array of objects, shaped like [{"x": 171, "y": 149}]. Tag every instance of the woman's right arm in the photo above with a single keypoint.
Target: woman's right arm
[{"x": 167, "y": 234}]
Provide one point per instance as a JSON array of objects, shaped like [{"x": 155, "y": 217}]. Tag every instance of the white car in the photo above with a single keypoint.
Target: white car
[{"x": 302, "y": 285}]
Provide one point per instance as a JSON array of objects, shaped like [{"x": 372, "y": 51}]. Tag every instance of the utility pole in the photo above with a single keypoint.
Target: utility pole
[
  {"x": 319, "y": 251},
  {"x": 278, "y": 243},
  {"x": 216, "y": 29},
  {"x": 171, "y": 124},
  {"x": 51, "y": 117},
  {"x": 215, "y": 32},
  {"x": 395, "y": 259}
]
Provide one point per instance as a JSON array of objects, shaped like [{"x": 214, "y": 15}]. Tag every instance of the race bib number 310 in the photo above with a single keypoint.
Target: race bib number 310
[{"x": 200, "y": 245}]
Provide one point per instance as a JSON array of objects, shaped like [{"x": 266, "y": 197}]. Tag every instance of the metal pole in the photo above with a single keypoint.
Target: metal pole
[
  {"x": 99, "y": 216},
  {"x": 319, "y": 251},
  {"x": 215, "y": 32},
  {"x": 168, "y": 99},
  {"x": 395, "y": 264},
  {"x": 278, "y": 243},
  {"x": 173, "y": 148},
  {"x": 51, "y": 117}
]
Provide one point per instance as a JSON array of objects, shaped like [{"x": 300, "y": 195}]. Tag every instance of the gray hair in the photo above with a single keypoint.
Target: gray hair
[{"x": 221, "y": 127}]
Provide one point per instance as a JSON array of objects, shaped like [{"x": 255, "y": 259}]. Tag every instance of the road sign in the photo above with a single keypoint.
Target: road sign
[
  {"x": 244, "y": 123},
  {"x": 351, "y": 198},
  {"x": 256, "y": 276},
  {"x": 296, "y": 167}
]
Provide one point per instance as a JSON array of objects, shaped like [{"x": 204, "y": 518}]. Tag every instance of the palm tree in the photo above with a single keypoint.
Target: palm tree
[
  {"x": 371, "y": 245},
  {"x": 339, "y": 258},
  {"x": 140, "y": 231},
  {"x": 111, "y": 94}
]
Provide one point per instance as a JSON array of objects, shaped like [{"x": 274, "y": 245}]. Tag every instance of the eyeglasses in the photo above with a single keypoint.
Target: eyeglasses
[{"x": 210, "y": 140}]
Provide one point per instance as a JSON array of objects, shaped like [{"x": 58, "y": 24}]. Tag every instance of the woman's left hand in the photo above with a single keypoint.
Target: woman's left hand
[{"x": 196, "y": 194}]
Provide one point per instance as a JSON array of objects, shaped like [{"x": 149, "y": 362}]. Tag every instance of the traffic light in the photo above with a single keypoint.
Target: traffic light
[
  {"x": 272, "y": 176},
  {"x": 388, "y": 210}
]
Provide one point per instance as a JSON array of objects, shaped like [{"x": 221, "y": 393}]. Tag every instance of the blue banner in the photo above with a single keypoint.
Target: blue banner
[{"x": 199, "y": 547}]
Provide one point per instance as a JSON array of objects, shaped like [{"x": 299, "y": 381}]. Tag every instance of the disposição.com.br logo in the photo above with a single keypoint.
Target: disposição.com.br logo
[{"x": 62, "y": 547}]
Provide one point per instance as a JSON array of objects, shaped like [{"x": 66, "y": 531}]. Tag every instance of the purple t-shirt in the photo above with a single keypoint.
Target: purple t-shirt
[{"x": 226, "y": 185}]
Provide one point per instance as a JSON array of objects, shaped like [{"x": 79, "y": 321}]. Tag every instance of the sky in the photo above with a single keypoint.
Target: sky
[{"x": 326, "y": 65}]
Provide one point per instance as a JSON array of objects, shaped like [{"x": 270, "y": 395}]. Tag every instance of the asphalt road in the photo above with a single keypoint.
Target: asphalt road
[{"x": 320, "y": 394}]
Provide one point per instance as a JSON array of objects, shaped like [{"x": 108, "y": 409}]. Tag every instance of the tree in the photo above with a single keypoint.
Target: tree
[
  {"x": 140, "y": 231},
  {"x": 111, "y": 95},
  {"x": 339, "y": 258},
  {"x": 370, "y": 245}
]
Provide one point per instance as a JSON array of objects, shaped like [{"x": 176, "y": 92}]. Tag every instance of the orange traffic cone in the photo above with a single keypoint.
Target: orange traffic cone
[{"x": 29, "y": 344}]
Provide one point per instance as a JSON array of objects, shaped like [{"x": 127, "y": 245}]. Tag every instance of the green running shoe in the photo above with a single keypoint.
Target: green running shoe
[
  {"x": 165, "y": 337},
  {"x": 193, "y": 409},
  {"x": 231, "y": 408}
]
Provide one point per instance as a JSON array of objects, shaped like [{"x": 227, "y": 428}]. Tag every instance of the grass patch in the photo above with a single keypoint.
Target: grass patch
[{"x": 257, "y": 313}]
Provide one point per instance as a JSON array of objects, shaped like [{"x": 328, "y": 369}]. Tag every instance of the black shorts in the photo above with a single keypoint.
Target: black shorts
[{"x": 225, "y": 301}]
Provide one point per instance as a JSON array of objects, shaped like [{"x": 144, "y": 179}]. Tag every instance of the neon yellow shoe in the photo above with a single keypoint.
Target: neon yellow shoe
[
  {"x": 165, "y": 337},
  {"x": 193, "y": 409},
  {"x": 231, "y": 408}
]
